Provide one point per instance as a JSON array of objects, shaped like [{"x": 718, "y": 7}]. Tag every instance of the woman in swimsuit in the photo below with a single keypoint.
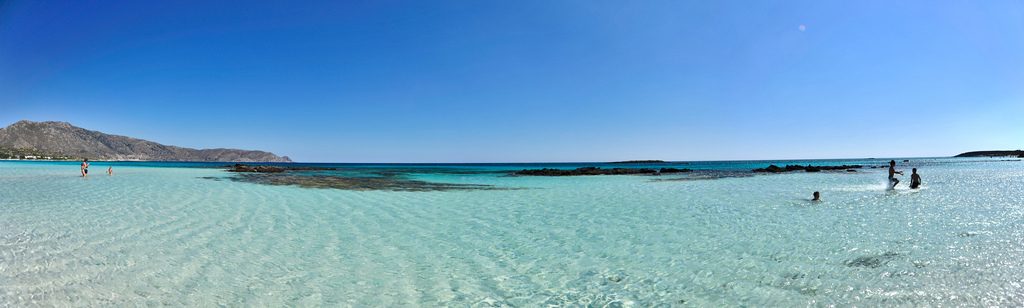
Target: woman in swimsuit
[{"x": 85, "y": 167}]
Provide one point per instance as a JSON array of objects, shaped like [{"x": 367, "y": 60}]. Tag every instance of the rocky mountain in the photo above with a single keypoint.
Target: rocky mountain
[{"x": 64, "y": 139}]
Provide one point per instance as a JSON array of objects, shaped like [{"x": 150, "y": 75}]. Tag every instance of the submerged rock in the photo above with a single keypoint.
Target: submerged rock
[
  {"x": 674, "y": 170},
  {"x": 262, "y": 169},
  {"x": 392, "y": 179},
  {"x": 272, "y": 169},
  {"x": 705, "y": 175},
  {"x": 968, "y": 234},
  {"x": 355, "y": 183},
  {"x": 874, "y": 261}
]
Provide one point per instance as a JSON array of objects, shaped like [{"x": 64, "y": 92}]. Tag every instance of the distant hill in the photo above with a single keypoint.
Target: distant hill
[
  {"x": 61, "y": 139},
  {"x": 1017, "y": 153}
]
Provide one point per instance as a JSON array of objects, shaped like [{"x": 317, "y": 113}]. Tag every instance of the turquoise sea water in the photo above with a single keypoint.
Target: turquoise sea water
[{"x": 186, "y": 234}]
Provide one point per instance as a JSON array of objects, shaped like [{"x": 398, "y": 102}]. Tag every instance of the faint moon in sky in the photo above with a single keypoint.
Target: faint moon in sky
[{"x": 802, "y": 28}]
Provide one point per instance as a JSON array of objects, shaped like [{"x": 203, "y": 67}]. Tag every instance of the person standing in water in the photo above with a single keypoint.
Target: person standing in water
[
  {"x": 915, "y": 179},
  {"x": 110, "y": 170},
  {"x": 892, "y": 174},
  {"x": 85, "y": 167}
]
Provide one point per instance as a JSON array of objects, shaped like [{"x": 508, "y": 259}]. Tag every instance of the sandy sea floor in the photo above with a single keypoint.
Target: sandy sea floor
[{"x": 153, "y": 235}]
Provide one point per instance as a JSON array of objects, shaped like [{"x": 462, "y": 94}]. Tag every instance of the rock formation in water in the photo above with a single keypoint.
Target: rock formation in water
[
  {"x": 597, "y": 171},
  {"x": 808, "y": 168},
  {"x": 648, "y": 161},
  {"x": 61, "y": 139},
  {"x": 259, "y": 169}
]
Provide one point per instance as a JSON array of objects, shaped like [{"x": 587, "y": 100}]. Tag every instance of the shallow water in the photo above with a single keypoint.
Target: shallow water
[{"x": 167, "y": 234}]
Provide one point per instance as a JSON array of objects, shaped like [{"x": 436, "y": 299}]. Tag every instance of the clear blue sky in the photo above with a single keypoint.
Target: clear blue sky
[{"x": 504, "y": 81}]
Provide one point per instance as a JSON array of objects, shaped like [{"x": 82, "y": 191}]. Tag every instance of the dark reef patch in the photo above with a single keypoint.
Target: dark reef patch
[
  {"x": 705, "y": 175},
  {"x": 405, "y": 171},
  {"x": 361, "y": 178},
  {"x": 272, "y": 169},
  {"x": 873, "y": 261},
  {"x": 392, "y": 183}
]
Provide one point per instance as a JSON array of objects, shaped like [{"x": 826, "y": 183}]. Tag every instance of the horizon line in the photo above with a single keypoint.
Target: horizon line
[{"x": 507, "y": 162}]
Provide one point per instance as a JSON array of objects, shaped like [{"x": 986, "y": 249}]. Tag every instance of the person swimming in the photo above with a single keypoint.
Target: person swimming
[
  {"x": 893, "y": 181},
  {"x": 110, "y": 170},
  {"x": 817, "y": 196},
  {"x": 85, "y": 167},
  {"x": 915, "y": 179}
]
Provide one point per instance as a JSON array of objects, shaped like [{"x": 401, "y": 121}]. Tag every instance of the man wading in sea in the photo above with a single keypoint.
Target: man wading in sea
[
  {"x": 892, "y": 174},
  {"x": 85, "y": 167}
]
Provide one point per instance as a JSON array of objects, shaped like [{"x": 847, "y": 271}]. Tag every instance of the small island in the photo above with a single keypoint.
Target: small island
[{"x": 1015, "y": 153}]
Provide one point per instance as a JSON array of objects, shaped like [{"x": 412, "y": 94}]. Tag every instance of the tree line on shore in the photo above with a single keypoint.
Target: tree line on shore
[{"x": 16, "y": 153}]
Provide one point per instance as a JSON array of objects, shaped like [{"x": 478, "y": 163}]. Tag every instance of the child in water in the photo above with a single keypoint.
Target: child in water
[
  {"x": 915, "y": 179},
  {"x": 893, "y": 181}
]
